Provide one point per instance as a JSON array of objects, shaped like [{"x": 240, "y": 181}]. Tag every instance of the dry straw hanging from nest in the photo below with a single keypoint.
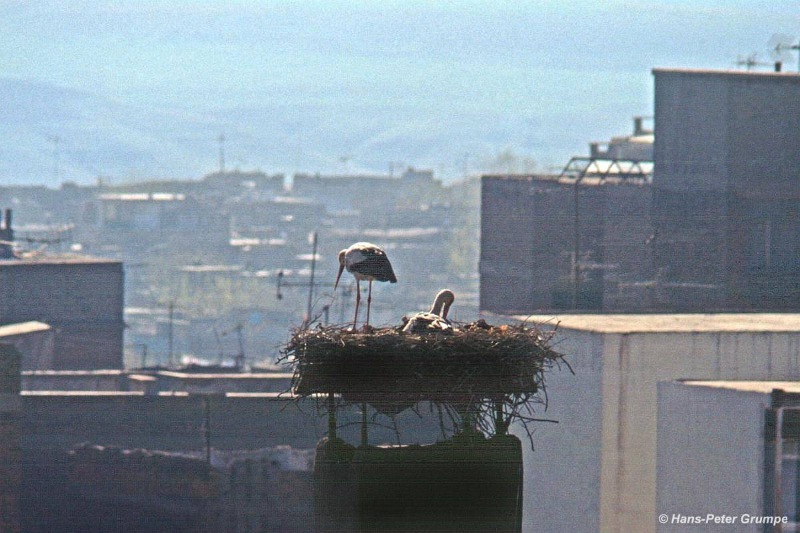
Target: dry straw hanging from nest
[{"x": 479, "y": 367}]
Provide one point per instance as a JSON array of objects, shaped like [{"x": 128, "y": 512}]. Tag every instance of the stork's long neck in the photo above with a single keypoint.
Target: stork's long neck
[
  {"x": 446, "y": 309},
  {"x": 441, "y": 304}
]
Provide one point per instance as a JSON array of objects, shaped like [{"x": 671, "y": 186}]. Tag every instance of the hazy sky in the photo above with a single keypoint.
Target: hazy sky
[{"x": 551, "y": 67}]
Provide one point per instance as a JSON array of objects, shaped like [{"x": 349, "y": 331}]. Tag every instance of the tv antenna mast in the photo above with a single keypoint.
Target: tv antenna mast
[
  {"x": 221, "y": 141},
  {"x": 311, "y": 284},
  {"x": 781, "y": 47},
  {"x": 240, "y": 358},
  {"x": 750, "y": 61}
]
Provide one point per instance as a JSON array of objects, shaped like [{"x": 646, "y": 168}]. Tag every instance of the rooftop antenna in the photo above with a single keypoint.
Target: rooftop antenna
[
  {"x": 311, "y": 283},
  {"x": 240, "y": 358},
  {"x": 345, "y": 161},
  {"x": 219, "y": 345},
  {"x": 221, "y": 140},
  {"x": 781, "y": 47},
  {"x": 170, "y": 332},
  {"x": 750, "y": 61}
]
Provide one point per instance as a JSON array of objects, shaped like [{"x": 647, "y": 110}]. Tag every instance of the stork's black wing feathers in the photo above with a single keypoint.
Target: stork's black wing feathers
[{"x": 376, "y": 265}]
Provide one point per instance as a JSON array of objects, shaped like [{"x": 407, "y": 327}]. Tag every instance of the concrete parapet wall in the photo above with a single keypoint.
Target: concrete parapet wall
[
  {"x": 61, "y": 420},
  {"x": 10, "y": 453}
]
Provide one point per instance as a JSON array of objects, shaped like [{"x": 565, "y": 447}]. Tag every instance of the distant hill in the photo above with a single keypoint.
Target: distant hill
[
  {"x": 52, "y": 134},
  {"x": 142, "y": 90}
]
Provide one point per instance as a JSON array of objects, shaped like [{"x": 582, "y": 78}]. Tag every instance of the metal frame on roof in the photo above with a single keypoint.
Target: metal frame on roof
[{"x": 579, "y": 168}]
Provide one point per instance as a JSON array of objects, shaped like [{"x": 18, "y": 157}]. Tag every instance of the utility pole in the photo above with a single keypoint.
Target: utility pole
[
  {"x": 221, "y": 140},
  {"x": 311, "y": 282},
  {"x": 240, "y": 358},
  {"x": 169, "y": 332}
]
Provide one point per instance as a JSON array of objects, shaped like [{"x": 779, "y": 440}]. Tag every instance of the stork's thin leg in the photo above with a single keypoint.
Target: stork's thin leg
[
  {"x": 358, "y": 300},
  {"x": 369, "y": 300},
  {"x": 364, "y": 437}
]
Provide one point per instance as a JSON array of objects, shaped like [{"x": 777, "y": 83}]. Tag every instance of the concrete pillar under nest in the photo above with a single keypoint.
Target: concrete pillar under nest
[{"x": 468, "y": 484}]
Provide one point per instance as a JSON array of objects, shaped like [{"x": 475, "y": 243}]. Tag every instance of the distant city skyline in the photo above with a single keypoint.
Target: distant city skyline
[{"x": 143, "y": 90}]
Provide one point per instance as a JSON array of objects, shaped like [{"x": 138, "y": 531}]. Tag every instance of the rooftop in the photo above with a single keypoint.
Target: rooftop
[
  {"x": 142, "y": 197},
  {"x": 342, "y": 178},
  {"x": 211, "y": 268},
  {"x": 764, "y": 387},
  {"x": 599, "y": 172},
  {"x": 226, "y": 375},
  {"x": 789, "y": 75},
  {"x": 56, "y": 259},
  {"x": 23, "y": 328},
  {"x": 673, "y": 323},
  {"x": 273, "y": 396},
  {"x": 74, "y": 373}
]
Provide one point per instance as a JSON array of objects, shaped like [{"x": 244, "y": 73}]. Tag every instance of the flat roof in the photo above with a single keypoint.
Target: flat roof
[
  {"x": 143, "y": 196},
  {"x": 74, "y": 373},
  {"x": 282, "y": 396},
  {"x": 764, "y": 387},
  {"x": 341, "y": 178},
  {"x": 226, "y": 375},
  {"x": 81, "y": 393},
  {"x": 784, "y": 74},
  {"x": 56, "y": 259},
  {"x": 212, "y": 269},
  {"x": 593, "y": 178},
  {"x": 23, "y": 328},
  {"x": 672, "y": 323}
]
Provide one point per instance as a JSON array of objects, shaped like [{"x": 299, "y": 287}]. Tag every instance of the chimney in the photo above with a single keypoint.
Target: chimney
[
  {"x": 637, "y": 126},
  {"x": 778, "y": 66}
]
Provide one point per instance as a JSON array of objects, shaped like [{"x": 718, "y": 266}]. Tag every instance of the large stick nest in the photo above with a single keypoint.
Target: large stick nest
[{"x": 393, "y": 370}]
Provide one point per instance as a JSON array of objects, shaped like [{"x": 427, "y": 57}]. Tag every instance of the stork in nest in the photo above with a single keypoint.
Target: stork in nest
[{"x": 435, "y": 320}]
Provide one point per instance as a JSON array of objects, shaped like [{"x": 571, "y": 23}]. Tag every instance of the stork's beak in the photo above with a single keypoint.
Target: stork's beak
[{"x": 339, "y": 275}]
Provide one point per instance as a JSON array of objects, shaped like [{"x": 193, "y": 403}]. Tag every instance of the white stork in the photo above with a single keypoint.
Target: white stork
[
  {"x": 435, "y": 320},
  {"x": 367, "y": 262}
]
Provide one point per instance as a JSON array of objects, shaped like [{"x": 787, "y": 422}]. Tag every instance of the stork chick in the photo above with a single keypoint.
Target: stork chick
[{"x": 435, "y": 320}]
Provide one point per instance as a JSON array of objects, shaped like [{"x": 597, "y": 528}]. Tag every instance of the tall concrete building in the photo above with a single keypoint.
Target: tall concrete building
[
  {"x": 726, "y": 189},
  {"x": 715, "y": 228},
  {"x": 549, "y": 242}
]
